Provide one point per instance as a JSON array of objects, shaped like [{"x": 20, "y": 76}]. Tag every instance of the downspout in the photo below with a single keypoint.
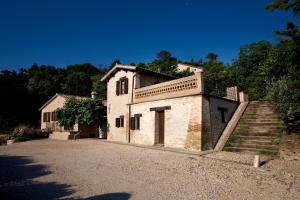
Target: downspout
[{"x": 129, "y": 107}]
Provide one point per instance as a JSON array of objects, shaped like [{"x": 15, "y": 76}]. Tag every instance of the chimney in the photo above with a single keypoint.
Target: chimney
[{"x": 94, "y": 95}]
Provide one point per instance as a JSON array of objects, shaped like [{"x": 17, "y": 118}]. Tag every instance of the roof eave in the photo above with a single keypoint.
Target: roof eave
[
  {"x": 114, "y": 69},
  {"x": 43, "y": 106}
]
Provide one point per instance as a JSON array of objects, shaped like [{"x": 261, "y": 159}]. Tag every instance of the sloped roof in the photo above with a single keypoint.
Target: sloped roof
[
  {"x": 66, "y": 96},
  {"x": 117, "y": 67}
]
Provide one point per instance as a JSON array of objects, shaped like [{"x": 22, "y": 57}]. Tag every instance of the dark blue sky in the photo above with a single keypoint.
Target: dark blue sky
[{"x": 62, "y": 32}]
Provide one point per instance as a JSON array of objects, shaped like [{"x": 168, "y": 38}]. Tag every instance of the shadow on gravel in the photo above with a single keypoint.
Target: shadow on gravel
[
  {"x": 16, "y": 180},
  {"x": 111, "y": 196}
]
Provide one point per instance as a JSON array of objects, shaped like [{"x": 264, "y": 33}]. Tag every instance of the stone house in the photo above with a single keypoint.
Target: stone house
[
  {"x": 150, "y": 108},
  {"x": 49, "y": 122}
]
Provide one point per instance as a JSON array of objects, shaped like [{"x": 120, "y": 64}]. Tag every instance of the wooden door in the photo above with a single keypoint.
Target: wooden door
[{"x": 161, "y": 127}]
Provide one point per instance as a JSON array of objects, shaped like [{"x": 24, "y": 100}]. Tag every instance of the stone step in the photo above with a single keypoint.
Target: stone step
[
  {"x": 259, "y": 128},
  {"x": 255, "y": 120},
  {"x": 259, "y": 117},
  {"x": 257, "y": 137},
  {"x": 266, "y": 106},
  {"x": 256, "y": 141},
  {"x": 256, "y": 115},
  {"x": 261, "y": 103},
  {"x": 256, "y": 134},
  {"x": 257, "y": 146},
  {"x": 260, "y": 110},
  {"x": 260, "y": 125},
  {"x": 251, "y": 150},
  {"x": 251, "y": 105}
]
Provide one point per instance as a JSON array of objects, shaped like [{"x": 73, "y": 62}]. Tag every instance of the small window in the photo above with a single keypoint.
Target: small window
[
  {"x": 122, "y": 86},
  {"x": 121, "y": 121},
  {"x": 135, "y": 122},
  {"x": 222, "y": 112},
  {"x": 46, "y": 117},
  {"x": 53, "y": 116},
  {"x": 117, "y": 122}
]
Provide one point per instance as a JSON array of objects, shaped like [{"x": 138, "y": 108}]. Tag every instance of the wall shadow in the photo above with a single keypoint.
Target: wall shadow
[
  {"x": 16, "y": 174},
  {"x": 111, "y": 196}
]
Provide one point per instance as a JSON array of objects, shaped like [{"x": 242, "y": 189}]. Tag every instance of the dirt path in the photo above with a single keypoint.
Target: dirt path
[{"x": 91, "y": 169}]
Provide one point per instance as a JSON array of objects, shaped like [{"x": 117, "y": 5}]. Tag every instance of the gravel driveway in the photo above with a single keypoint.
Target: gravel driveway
[{"x": 95, "y": 169}]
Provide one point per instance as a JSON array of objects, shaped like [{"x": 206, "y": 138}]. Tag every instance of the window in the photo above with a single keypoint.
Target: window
[
  {"x": 120, "y": 121},
  {"x": 53, "y": 116},
  {"x": 135, "y": 122},
  {"x": 122, "y": 86},
  {"x": 222, "y": 111},
  {"x": 117, "y": 122},
  {"x": 46, "y": 117}
]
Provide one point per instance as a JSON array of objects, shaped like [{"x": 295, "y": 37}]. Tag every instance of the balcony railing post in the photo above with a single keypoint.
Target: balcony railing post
[{"x": 200, "y": 80}]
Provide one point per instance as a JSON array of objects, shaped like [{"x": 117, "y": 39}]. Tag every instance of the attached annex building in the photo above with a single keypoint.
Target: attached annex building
[
  {"x": 50, "y": 124},
  {"x": 149, "y": 108}
]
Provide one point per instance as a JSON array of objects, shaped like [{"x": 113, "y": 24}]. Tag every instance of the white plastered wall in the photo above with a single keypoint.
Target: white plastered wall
[
  {"x": 117, "y": 106},
  {"x": 182, "y": 122},
  {"x": 56, "y": 103}
]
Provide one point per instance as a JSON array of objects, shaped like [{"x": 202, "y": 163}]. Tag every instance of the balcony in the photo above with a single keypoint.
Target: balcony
[
  {"x": 187, "y": 86},
  {"x": 176, "y": 88}
]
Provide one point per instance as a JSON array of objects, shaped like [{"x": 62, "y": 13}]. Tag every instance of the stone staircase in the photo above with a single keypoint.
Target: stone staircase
[{"x": 258, "y": 131}]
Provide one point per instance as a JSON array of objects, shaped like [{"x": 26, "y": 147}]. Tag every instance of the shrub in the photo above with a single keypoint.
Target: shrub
[
  {"x": 30, "y": 133},
  {"x": 285, "y": 93},
  {"x": 20, "y": 139},
  {"x": 3, "y": 139}
]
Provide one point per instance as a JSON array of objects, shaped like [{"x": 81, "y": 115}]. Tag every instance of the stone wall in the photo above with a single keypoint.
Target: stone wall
[
  {"x": 182, "y": 122},
  {"x": 216, "y": 107}
]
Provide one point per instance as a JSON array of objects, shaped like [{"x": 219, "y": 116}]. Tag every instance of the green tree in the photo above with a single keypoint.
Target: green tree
[
  {"x": 78, "y": 83},
  {"x": 98, "y": 86},
  {"x": 284, "y": 63},
  {"x": 213, "y": 69},
  {"x": 163, "y": 56},
  {"x": 164, "y": 63},
  {"x": 87, "y": 111},
  {"x": 248, "y": 69}
]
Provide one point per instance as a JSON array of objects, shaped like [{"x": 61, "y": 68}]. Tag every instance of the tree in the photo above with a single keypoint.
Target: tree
[
  {"x": 98, "y": 86},
  {"x": 78, "y": 83},
  {"x": 86, "y": 68},
  {"x": 87, "y": 111},
  {"x": 163, "y": 56},
  {"x": 248, "y": 69},
  {"x": 284, "y": 62},
  {"x": 67, "y": 116},
  {"x": 117, "y": 61},
  {"x": 211, "y": 57}
]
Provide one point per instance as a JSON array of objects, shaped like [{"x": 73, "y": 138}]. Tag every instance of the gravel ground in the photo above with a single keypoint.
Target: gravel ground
[{"x": 95, "y": 169}]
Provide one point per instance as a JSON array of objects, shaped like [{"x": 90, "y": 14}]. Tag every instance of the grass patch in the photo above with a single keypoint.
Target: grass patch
[
  {"x": 20, "y": 139},
  {"x": 231, "y": 141}
]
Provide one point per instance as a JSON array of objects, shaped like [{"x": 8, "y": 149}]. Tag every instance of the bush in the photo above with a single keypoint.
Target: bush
[
  {"x": 30, "y": 133},
  {"x": 20, "y": 139},
  {"x": 3, "y": 139},
  {"x": 285, "y": 93}
]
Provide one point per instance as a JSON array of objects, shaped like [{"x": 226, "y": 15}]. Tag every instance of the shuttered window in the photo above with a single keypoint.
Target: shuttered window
[
  {"x": 117, "y": 122},
  {"x": 135, "y": 122},
  {"x": 122, "y": 86},
  {"x": 132, "y": 127},
  {"x": 53, "y": 116},
  {"x": 46, "y": 117},
  {"x": 122, "y": 121},
  {"x": 117, "y": 88}
]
